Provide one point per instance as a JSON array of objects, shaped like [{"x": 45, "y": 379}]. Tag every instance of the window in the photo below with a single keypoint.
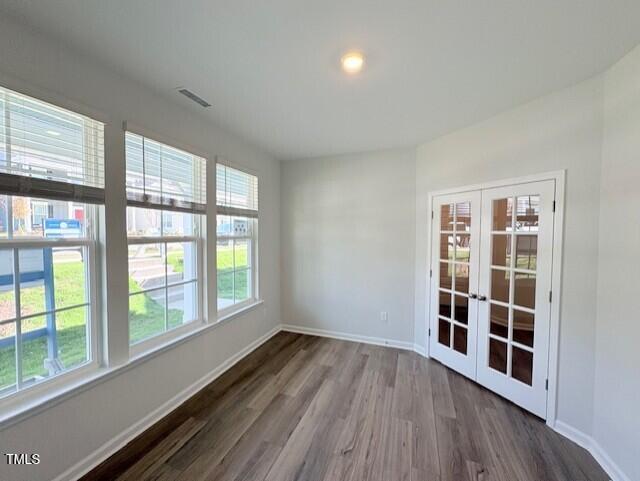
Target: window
[
  {"x": 51, "y": 165},
  {"x": 237, "y": 228},
  {"x": 166, "y": 197},
  {"x": 49, "y": 152},
  {"x": 39, "y": 212}
]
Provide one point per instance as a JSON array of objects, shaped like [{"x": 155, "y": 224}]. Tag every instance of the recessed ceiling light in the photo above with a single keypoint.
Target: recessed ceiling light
[
  {"x": 352, "y": 62},
  {"x": 54, "y": 133}
]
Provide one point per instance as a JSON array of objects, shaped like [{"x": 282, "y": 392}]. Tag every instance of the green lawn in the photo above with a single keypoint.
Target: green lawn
[
  {"x": 176, "y": 260},
  {"x": 69, "y": 287},
  {"x": 146, "y": 316},
  {"x": 225, "y": 259}
]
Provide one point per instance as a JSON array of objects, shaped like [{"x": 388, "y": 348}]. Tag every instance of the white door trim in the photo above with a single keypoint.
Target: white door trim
[{"x": 556, "y": 266}]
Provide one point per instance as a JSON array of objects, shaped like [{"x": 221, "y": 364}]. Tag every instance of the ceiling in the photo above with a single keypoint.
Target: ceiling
[{"x": 271, "y": 68}]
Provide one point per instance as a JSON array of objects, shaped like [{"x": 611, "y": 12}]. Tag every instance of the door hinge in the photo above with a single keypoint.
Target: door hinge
[
  {"x": 430, "y": 272},
  {"x": 550, "y": 296},
  {"x": 546, "y": 385},
  {"x": 429, "y": 332},
  {"x": 432, "y": 214},
  {"x": 554, "y": 206}
]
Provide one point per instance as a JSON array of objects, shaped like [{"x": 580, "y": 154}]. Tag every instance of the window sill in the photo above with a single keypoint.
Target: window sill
[
  {"x": 37, "y": 404},
  {"x": 31, "y": 405}
]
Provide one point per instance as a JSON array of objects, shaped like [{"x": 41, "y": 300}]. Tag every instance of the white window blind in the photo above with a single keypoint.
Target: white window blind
[
  {"x": 163, "y": 177},
  {"x": 50, "y": 152},
  {"x": 236, "y": 192}
]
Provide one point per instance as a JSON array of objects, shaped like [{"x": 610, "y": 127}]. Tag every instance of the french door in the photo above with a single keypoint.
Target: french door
[
  {"x": 456, "y": 252},
  {"x": 499, "y": 244}
]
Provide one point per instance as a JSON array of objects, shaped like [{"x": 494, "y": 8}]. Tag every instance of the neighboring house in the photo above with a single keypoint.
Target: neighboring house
[{"x": 29, "y": 214}]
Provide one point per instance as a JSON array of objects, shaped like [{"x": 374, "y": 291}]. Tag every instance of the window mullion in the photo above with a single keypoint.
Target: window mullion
[
  {"x": 90, "y": 301},
  {"x": 233, "y": 272},
  {"x": 18, "y": 341},
  {"x": 210, "y": 247},
  {"x": 161, "y": 191},
  {"x": 168, "y": 239},
  {"x": 113, "y": 243},
  {"x": 166, "y": 288},
  {"x": 7, "y": 129}
]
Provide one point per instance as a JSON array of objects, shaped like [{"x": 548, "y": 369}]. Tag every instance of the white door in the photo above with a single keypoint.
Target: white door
[
  {"x": 455, "y": 261},
  {"x": 514, "y": 292},
  {"x": 490, "y": 290}
]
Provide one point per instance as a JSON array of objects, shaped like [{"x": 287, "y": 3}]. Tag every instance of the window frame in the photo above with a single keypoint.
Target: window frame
[
  {"x": 253, "y": 268},
  {"x": 198, "y": 237},
  {"x": 93, "y": 304},
  {"x": 163, "y": 337},
  {"x": 254, "y": 299},
  {"x": 90, "y": 192},
  {"x": 108, "y": 349}
]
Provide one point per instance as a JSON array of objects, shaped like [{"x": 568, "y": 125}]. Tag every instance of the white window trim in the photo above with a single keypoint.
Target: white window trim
[
  {"x": 153, "y": 342},
  {"x": 235, "y": 309},
  {"x": 255, "y": 295},
  {"x": 201, "y": 239},
  {"x": 84, "y": 380},
  {"x": 35, "y": 392},
  {"x": 239, "y": 308},
  {"x": 111, "y": 354}
]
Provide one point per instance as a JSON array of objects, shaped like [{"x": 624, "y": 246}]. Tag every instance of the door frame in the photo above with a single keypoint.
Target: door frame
[{"x": 556, "y": 269}]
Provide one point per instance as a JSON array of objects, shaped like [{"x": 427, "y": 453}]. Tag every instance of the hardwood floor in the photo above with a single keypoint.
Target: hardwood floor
[{"x": 315, "y": 409}]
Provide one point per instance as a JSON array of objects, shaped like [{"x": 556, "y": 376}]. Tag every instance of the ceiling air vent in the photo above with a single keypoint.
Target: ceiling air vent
[{"x": 190, "y": 95}]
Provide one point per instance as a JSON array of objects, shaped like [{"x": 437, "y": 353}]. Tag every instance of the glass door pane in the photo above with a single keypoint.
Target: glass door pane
[
  {"x": 513, "y": 285},
  {"x": 455, "y": 255},
  {"x": 455, "y": 258},
  {"x": 515, "y": 274}
]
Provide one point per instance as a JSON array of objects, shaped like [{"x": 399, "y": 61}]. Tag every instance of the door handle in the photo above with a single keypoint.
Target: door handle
[
  {"x": 473, "y": 295},
  {"x": 482, "y": 298}
]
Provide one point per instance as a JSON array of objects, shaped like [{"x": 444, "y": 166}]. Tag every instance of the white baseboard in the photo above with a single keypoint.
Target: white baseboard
[
  {"x": 420, "y": 350},
  {"x": 581, "y": 439},
  {"x": 591, "y": 445},
  {"x": 109, "y": 448},
  {"x": 376, "y": 341}
]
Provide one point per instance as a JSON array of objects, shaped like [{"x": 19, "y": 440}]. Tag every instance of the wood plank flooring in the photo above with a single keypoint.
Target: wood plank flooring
[{"x": 316, "y": 409}]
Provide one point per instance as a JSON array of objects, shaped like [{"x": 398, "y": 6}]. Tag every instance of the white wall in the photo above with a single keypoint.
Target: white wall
[
  {"x": 68, "y": 432},
  {"x": 617, "y": 380},
  {"x": 339, "y": 280},
  {"x": 348, "y": 237},
  {"x": 335, "y": 281},
  {"x": 559, "y": 131}
]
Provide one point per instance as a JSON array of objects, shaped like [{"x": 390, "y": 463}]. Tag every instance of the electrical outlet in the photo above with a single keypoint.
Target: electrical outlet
[{"x": 383, "y": 316}]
